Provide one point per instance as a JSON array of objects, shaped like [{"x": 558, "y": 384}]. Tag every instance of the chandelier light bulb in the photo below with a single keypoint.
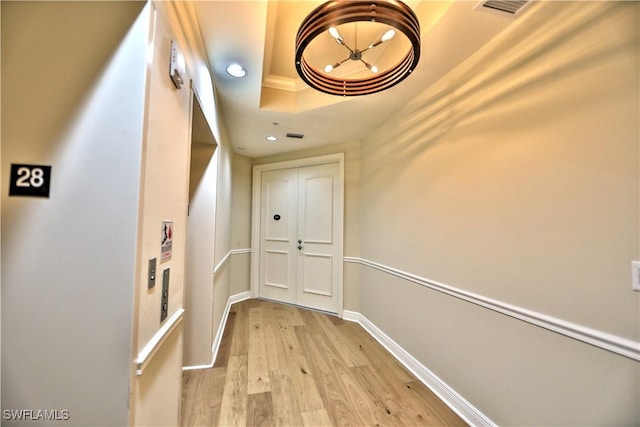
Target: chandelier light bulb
[
  {"x": 374, "y": 69},
  {"x": 388, "y": 35},
  {"x": 328, "y": 68},
  {"x": 334, "y": 33}
]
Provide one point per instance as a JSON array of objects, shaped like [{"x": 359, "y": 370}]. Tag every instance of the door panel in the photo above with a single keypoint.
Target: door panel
[
  {"x": 276, "y": 269},
  {"x": 278, "y": 225},
  {"x": 277, "y": 191},
  {"x": 317, "y": 208},
  {"x": 317, "y": 213},
  {"x": 317, "y": 270},
  {"x": 299, "y": 236}
]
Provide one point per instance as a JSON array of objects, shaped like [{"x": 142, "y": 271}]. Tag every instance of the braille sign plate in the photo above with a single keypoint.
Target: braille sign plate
[{"x": 30, "y": 180}]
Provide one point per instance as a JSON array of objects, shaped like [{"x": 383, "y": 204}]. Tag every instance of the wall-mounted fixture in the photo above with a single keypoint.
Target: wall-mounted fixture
[
  {"x": 164, "y": 298},
  {"x": 151, "y": 277},
  {"x": 383, "y": 61},
  {"x": 177, "y": 66}
]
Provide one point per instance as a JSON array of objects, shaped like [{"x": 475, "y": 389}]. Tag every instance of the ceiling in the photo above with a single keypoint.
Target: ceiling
[{"x": 273, "y": 100}]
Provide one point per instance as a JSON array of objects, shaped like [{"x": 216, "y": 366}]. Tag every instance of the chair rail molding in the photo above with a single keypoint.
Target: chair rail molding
[
  {"x": 610, "y": 342},
  {"x": 156, "y": 341},
  {"x": 224, "y": 260}
]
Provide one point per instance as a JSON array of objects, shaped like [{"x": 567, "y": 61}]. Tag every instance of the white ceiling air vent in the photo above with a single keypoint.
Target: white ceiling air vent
[{"x": 505, "y": 8}]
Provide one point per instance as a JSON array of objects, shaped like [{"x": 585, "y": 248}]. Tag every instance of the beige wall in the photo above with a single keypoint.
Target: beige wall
[
  {"x": 84, "y": 92},
  {"x": 157, "y": 389},
  {"x": 164, "y": 197},
  {"x": 241, "y": 202},
  {"x": 240, "y": 224},
  {"x": 171, "y": 126},
  {"x": 165, "y": 191},
  {"x": 208, "y": 292},
  {"x": 351, "y": 207},
  {"x": 223, "y": 208},
  {"x": 516, "y": 178},
  {"x": 222, "y": 242},
  {"x": 200, "y": 254},
  {"x": 69, "y": 261}
]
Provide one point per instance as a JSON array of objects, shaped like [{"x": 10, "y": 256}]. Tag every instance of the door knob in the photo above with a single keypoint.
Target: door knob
[{"x": 299, "y": 241}]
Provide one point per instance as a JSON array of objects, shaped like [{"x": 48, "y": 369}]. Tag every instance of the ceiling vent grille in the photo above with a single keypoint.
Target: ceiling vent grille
[
  {"x": 510, "y": 8},
  {"x": 295, "y": 135}
]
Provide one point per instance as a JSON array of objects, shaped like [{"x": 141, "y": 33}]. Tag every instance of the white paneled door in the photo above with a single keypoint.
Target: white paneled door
[{"x": 300, "y": 236}]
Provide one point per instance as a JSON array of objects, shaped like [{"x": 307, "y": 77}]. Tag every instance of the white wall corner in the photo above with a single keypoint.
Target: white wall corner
[
  {"x": 448, "y": 395},
  {"x": 242, "y": 296},
  {"x": 218, "y": 338}
]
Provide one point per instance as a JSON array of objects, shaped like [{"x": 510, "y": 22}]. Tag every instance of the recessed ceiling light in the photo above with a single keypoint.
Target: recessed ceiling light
[
  {"x": 236, "y": 70},
  {"x": 271, "y": 138}
]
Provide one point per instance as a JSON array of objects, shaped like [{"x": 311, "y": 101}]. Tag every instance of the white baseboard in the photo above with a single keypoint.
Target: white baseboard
[
  {"x": 242, "y": 296},
  {"x": 448, "y": 395},
  {"x": 196, "y": 367},
  {"x": 223, "y": 322},
  {"x": 218, "y": 338}
]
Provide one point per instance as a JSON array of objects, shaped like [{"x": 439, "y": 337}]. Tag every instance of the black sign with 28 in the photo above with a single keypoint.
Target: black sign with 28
[{"x": 30, "y": 180}]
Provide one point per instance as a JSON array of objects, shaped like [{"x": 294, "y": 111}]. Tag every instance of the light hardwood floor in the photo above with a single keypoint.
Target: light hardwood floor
[{"x": 280, "y": 365}]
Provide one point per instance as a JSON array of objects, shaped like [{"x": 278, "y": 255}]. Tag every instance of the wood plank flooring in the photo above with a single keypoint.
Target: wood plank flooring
[{"x": 280, "y": 365}]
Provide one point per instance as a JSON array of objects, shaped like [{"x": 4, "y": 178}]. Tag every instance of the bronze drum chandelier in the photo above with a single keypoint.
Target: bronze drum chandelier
[{"x": 328, "y": 16}]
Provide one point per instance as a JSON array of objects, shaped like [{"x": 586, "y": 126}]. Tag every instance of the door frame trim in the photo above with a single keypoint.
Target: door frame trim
[{"x": 255, "y": 216}]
